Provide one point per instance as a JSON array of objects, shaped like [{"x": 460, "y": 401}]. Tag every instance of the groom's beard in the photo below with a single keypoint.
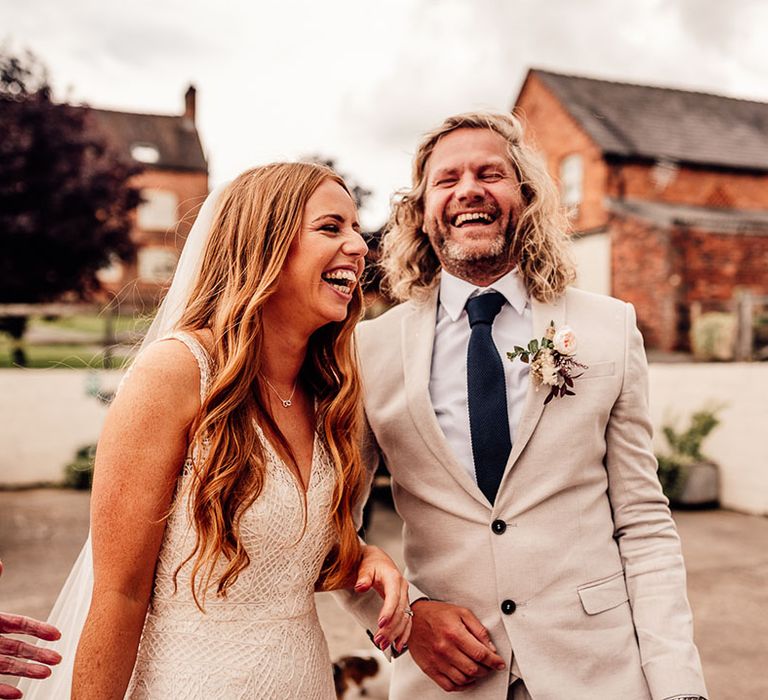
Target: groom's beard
[{"x": 492, "y": 260}]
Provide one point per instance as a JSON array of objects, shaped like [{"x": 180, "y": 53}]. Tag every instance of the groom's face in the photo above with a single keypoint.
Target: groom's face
[{"x": 472, "y": 203}]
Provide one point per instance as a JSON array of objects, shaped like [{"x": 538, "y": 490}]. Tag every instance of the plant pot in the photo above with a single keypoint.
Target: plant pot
[{"x": 701, "y": 488}]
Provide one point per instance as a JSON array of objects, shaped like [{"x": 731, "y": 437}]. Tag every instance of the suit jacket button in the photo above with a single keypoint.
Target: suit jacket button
[
  {"x": 508, "y": 607},
  {"x": 499, "y": 527}
]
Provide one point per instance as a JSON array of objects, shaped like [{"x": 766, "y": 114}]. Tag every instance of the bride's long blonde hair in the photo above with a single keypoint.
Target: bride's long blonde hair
[{"x": 257, "y": 218}]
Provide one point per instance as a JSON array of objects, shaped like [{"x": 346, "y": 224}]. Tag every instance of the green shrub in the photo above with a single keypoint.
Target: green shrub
[
  {"x": 79, "y": 474},
  {"x": 685, "y": 450}
]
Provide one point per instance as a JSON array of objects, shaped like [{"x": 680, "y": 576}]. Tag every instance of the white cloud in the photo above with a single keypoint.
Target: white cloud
[{"x": 359, "y": 80}]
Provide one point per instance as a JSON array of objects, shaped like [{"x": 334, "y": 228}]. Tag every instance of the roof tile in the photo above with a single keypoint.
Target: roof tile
[
  {"x": 175, "y": 137},
  {"x": 641, "y": 121}
]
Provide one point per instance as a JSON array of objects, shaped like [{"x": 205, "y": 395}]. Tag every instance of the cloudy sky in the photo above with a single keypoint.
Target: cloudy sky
[{"x": 359, "y": 80}]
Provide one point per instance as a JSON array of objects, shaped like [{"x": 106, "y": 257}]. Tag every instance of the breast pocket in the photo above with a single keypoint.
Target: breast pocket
[
  {"x": 605, "y": 594},
  {"x": 599, "y": 369}
]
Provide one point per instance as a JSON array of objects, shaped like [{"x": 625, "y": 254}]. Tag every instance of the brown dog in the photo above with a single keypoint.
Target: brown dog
[{"x": 352, "y": 676}]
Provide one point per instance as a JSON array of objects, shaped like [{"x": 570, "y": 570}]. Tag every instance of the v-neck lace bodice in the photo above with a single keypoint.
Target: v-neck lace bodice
[{"x": 263, "y": 640}]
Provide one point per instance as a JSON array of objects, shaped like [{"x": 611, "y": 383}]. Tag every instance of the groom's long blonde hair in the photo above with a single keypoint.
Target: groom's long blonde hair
[{"x": 539, "y": 247}]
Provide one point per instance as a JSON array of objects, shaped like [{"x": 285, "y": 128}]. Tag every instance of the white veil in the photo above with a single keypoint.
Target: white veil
[{"x": 71, "y": 607}]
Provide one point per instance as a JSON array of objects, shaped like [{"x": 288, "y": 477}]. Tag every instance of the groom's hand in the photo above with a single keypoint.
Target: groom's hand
[{"x": 451, "y": 645}]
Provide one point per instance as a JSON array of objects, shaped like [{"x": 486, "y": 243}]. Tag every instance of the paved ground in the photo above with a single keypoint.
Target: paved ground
[{"x": 726, "y": 553}]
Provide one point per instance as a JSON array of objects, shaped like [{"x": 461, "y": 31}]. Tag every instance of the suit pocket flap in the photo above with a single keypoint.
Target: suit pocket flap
[
  {"x": 604, "y": 595},
  {"x": 599, "y": 369}
]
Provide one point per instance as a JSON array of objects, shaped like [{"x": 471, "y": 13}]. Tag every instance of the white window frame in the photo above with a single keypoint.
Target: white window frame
[
  {"x": 145, "y": 153},
  {"x": 156, "y": 264},
  {"x": 572, "y": 181},
  {"x": 158, "y": 210}
]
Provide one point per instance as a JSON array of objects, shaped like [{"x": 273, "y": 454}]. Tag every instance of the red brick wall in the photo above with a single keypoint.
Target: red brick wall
[
  {"x": 716, "y": 264},
  {"x": 660, "y": 272},
  {"x": 706, "y": 188},
  {"x": 663, "y": 271},
  {"x": 552, "y": 131},
  {"x": 644, "y": 274},
  {"x": 708, "y": 266}
]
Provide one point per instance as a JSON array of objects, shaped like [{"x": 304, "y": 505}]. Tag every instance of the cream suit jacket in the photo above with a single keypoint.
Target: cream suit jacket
[{"x": 590, "y": 554}]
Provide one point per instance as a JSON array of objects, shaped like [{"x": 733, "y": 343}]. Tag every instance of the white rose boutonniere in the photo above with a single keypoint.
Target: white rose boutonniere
[
  {"x": 564, "y": 341},
  {"x": 552, "y": 360}
]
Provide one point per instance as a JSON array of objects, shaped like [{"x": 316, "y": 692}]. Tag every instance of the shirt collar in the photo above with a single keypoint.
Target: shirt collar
[{"x": 454, "y": 292}]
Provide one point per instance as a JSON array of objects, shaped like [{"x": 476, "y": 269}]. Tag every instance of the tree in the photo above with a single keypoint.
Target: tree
[
  {"x": 65, "y": 197},
  {"x": 358, "y": 192}
]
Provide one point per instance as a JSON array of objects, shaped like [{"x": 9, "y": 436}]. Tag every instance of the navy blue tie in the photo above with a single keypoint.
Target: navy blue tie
[{"x": 487, "y": 395}]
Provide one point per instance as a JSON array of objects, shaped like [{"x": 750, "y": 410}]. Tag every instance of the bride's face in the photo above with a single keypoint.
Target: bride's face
[{"x": 325, "y": 261}]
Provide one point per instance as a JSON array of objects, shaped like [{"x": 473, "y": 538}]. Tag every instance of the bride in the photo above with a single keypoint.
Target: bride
[{"x": 228, "y": 469}]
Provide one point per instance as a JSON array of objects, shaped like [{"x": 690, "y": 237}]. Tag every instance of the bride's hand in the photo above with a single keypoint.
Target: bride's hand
[{"x": 379, "y": 572}]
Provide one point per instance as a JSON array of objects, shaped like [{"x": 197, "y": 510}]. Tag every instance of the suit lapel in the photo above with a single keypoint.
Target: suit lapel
[
  {"x": 418, "y": 335},
  {"x": 542, "y": 315}
]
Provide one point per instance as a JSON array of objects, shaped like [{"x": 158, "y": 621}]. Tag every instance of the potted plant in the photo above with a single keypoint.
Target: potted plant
[
  {"x": 690, "y": 479},
  {"x": 79, "y": 473}
]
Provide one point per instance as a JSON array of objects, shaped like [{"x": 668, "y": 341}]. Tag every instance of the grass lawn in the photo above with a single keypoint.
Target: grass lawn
[
  {"x": 67, "y": 352},
  {"x": 95, "y": 324},
  {"x": 59, "y": 356}
]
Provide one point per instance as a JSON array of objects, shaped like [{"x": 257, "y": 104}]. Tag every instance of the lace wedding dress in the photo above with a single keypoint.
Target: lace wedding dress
[{"x": 263, "y": 640}]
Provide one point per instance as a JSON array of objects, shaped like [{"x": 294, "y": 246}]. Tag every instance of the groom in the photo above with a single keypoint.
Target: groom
[{"x": 543, "y": 559}]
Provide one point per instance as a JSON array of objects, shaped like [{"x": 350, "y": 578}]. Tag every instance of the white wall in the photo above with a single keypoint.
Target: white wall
[
  {"x": 46, "y": 415},
  {"x": 739, "y": 443},
  {"x": 592, "y": 255}
]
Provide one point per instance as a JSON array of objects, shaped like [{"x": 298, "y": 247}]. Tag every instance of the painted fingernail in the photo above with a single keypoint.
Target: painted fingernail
[
  {"x": 383, "y": 621},
  {"x": 500, "y": 667},
  {"x": 35, "y": 671}
]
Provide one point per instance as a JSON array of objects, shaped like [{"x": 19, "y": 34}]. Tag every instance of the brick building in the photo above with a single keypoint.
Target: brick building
[
  {"x": 173, "y": 184},
  {"x": 667, "y": 192}
]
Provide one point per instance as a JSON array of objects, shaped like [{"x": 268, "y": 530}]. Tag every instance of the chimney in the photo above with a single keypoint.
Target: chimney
[{"x": 190, "y": 104}]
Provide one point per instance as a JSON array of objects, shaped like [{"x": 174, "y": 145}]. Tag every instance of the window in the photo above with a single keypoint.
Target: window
[
  {"x": 156, "y": 264},
  {"x": 112, "y": 273},
  {"x": 571, "y": 181},
  {"x": 592, "y": 255},
  {"x": 158, "y": 210},
  {"x": 145, "y": 153}
]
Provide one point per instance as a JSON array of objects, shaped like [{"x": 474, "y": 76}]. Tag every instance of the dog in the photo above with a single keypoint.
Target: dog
[{"x": 362, "y": 674}]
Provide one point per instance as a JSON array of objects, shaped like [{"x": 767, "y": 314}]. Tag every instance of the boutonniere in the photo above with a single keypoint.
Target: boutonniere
[{"x": 552, "y": 361}]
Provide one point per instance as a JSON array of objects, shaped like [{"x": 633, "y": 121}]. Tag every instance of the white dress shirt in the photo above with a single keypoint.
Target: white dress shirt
[{"x": 448, "y": 378}]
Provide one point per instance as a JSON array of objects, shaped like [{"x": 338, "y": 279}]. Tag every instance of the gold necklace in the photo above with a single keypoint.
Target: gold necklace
[{"x": 287, "y": 403}]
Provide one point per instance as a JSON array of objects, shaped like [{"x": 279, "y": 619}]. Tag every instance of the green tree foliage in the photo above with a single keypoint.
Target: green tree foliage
[
  {"x": 359, "y": 193},
  {"x": 65, "y": 198}
]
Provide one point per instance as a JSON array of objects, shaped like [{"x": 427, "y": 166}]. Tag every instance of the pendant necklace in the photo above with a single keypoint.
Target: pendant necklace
[{"x": 287, "y": 403}]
